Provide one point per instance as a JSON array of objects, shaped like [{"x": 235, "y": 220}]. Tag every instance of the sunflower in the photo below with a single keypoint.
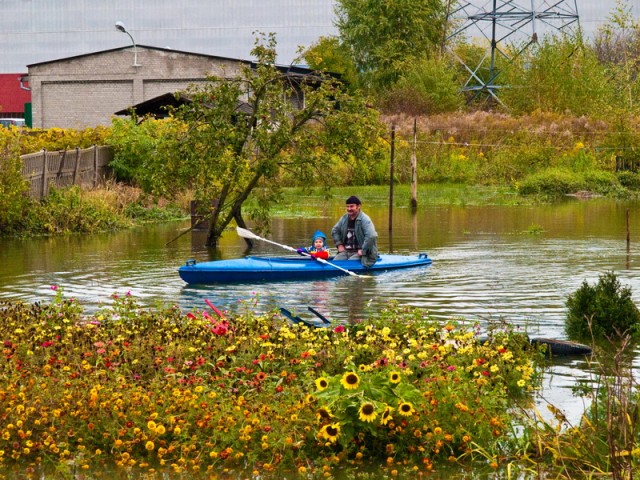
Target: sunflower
[
  {"x": 405, "y": 409},
  {"x": 394, "y": 377},
  {"x": 321, "y": 383},
  {"x": 323, "y": 414},
  {"x": 330, "y": 432},
  {"x": 350, "y": 380},
  {"x": 367, "y": 412},
  {"x": 386, "y": 415}
]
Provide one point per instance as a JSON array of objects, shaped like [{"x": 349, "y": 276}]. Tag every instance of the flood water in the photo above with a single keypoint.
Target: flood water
[{"x": 488, "y": 264}]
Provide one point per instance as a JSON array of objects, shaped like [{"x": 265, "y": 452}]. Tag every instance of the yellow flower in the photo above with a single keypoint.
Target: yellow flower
[
  {"x": 150, "y": 445},
  {"x": 160, "y": 429},
  {"x": 405, "y": 409},
  {"x": 350, "y": 381},
  {"x": 367, "y": 412},
  {"x": 321, "y": 383},
  {"x": 386, "y": 415},
  {"x": 151, "y": 425},
  {"x": 394, "y": 377},
  {"x": 330, "y": 432},
  {"x": 323, "y": 414}
]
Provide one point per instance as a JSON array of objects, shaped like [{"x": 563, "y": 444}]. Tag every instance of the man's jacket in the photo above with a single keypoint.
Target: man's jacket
[{"x": 366, "y": 236}]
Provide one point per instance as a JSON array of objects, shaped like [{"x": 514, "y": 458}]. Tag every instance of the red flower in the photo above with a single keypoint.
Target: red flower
[
  {"x": 220, "y": 328},
  {"x": 339, "y": 329}
]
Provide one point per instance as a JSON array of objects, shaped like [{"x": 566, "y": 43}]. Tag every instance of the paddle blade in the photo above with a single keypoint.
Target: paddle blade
[{"x": 244, "y": 233}]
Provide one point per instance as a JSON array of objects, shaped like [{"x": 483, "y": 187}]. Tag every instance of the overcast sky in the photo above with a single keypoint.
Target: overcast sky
[{"x": 33, "y": 31}]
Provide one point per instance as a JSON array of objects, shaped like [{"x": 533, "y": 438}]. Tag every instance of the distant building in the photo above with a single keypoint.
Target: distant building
[
  {"x": 14, "y": 94},
  {"x": 87, "y": 90}
]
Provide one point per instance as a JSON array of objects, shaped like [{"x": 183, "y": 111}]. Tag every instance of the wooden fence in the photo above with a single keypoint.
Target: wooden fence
[{"x": 86, "y": 167}]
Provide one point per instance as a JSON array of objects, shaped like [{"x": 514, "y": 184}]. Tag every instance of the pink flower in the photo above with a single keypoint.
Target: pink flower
[
  {"x": 54, "y": 287},
  {"x": 451, "y": 368},
  {"x": 339, "y": 329}
]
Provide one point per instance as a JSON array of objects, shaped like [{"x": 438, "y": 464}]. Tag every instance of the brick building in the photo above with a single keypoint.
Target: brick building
[{"x": 86, "y": 90}]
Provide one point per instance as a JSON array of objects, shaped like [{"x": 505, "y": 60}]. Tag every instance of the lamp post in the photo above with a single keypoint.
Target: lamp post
[{"x": 120, "y": 26}]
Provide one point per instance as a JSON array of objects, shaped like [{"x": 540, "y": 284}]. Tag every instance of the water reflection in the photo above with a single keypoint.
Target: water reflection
[{"x": 486, "y": 267}]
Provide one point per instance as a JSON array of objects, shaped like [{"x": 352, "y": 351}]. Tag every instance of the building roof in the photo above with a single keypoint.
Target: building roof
[
  {"x": 12, "y": 97},
  {"x": 158, "y": 106},
  {"x": 294, "y": 69}
]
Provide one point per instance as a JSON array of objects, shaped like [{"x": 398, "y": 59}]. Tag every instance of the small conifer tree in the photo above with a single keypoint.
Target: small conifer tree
[{"x": 602, "y": 310}]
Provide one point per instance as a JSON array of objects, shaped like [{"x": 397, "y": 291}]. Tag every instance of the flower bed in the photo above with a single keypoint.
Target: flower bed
[{"x": 148, "y": 391}]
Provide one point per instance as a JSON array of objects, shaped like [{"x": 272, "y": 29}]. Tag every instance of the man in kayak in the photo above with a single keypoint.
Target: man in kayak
[
  {"x": 355, "y": 236},
  {"x": 318, "y": 248}
]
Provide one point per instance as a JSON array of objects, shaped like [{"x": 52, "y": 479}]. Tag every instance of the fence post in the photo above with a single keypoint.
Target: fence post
[
  {"x": 414, "y": 167},
  {"x": 95, "y": 165},
  {"x": 43, "y": 185},
  {"x": 76, "y": 167}
]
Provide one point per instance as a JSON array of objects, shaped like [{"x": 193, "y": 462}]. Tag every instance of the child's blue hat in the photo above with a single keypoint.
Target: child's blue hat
[{"x": 319, "y": 234}]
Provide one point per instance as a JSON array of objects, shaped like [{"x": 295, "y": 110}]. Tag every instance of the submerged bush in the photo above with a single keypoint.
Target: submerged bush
[{"x": 602, "y": 310}]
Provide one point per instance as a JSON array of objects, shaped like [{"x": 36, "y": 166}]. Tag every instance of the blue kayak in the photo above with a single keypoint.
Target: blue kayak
[{"x": 256, "y": 269}]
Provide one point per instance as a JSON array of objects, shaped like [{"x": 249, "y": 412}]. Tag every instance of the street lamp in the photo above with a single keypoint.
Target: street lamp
[{"x": 120, "y": 26}]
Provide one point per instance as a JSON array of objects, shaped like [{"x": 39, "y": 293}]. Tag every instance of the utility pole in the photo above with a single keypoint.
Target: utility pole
[{"x": 499, "y": 21}]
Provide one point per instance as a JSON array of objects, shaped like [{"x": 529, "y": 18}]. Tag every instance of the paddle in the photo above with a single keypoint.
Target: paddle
[{"x": 244, "y": 233}]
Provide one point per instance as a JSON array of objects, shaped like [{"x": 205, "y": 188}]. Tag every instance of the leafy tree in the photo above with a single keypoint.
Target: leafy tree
[
  {"x": 608, "y": 306},
  {"x": 385, "y": 36},
  {"x": 428, "y": 87},
  {"x": 558, "y": 75},
  {"x": 329, "y": 55},
  {"x": 242, "y": 133}
]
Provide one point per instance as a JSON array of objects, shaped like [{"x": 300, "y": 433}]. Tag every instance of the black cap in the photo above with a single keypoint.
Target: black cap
[{"x": 353, "y": 200}]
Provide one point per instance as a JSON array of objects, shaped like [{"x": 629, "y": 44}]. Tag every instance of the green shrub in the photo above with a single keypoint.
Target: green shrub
[
  {"x": 607, "y": 306},
  {"x": 601, "y": 181},
  {"x": 630, "y": 180},
  {"x": 13, "y": 198},
  {"x": 72, "y": 210},
  {"x": 552, "y": 182}
]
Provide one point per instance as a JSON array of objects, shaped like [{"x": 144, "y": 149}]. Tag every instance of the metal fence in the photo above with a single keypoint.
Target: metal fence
[{"x": 86, "y": 167}]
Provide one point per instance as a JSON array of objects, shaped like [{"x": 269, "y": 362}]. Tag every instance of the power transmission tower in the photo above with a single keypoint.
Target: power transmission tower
[{"x": 519, "y": 21}]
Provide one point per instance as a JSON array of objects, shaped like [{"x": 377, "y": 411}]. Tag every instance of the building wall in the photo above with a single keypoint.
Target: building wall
[{"x": 84, "y": 91}]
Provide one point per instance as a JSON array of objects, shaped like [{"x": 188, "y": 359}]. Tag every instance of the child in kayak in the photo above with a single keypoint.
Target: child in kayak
[{"x": 318, "y": 248}]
